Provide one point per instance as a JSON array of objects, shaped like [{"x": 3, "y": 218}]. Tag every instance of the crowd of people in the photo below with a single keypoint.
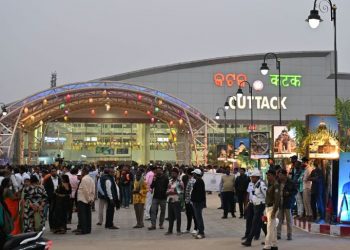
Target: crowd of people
[{"x": 30, "y": 195}]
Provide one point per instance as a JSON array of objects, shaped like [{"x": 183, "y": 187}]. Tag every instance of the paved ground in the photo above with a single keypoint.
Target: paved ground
[{"x": 221, "y": 234}]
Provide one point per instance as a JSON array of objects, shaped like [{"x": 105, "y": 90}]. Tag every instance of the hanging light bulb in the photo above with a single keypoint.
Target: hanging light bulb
[
  {"x": 93, "y": 112},
  {"x": 26, "y": 110},
  {"x": 156, "y": 109},
  {"x": 148, "y": 112},
  {"x": 160, "y": 102},
  {"x": 139, "y": 97},
  {"x": 62, "y": 105},
  {"x": 152, "y": 119},
  {"x": 126, "y": 112},
  {"x": 91, "y": 100},
  {"x": 171, "y": 123},
  {"x": 104, "y": 93},
  {"x": 32, "y": 117},
  {"x": 41, "y": 122},
  {"x": 181, "y": 121},
  {"x": 108, "y": 107},
  {"x": 44, "y": 101},
  {"x": 68, "y": 97},
  {"x": 65, "y": 118},
  {"x": 66, "y": 111}
]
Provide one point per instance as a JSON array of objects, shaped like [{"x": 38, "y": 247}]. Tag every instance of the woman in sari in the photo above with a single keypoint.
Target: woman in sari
[
  {"x": 34, "y": 201},
  {"x": 11, "y": 200},
  {"x": 61, "y": 205}
]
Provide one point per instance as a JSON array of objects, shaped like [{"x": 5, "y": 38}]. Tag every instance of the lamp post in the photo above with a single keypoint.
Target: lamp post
[
  {"x": 227, "y": 107},
  {"x": 314, "y": 20},
  {"x": 217, "y": 117},
  {"x": 3, "y": 109},
  {"x": 240, "y": 93},
  {"x": 264, "y": 69}
]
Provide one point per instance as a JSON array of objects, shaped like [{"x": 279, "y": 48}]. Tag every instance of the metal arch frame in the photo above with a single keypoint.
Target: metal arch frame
[{"x": 172, "y": 108}]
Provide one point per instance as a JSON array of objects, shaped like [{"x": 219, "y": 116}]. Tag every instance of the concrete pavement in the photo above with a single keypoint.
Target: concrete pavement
[{"x": 221, "y": 234}]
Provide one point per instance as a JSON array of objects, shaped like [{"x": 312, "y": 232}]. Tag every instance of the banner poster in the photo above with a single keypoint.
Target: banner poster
[
  {"x": 324, "y": 131},
  {"x": 224, "y": 152},
  {"x": 259, "y": 145},
  {"x": 344, "y": 188},
  {"x": 212, "y": 182},
  {"x": 284, "y": 144},
  {"x": 241, "y": 146}
]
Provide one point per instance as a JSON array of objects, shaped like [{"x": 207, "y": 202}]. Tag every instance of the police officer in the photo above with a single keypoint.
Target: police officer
[{"x": 258, "y": 200}]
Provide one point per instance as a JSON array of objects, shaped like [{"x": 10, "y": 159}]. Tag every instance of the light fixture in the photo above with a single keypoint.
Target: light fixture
[
  {"x": 93, "y": 112},
  {"x": 264, "y": 69},
  {"x": 91, "y": 100},
  {"x": 126, "y": 112},
  {"x": 227, "y": 105},
  {"x": 66, "y": 111},
  {"x": 171, "y": 123},
  {"x": 217, "y": 116},
  {"x": 26, "y": 110},
  {"x": 239, "y": 92},
  {"x": 156, "y": 109},
  {"x": 148, "y": 112},
  {"x": 41, "y": 122},
  {"x": 258, "y": 85},
  {"x": 139, "y": 97},
  {"x": 4, "y": 110},
  {"x": 108, "y": 106},
  {"x": 44, "y": 101},
  {"x": 152, "y": 119},
  {"x": 68, "y": 97},
  {"x": 181, "y": 121},
  {"x": 160, "y": 102},
  {"x": 65, "y": 118},
  {"x": 314, "y": 19},
  {"x": 62, "y": 105},
  {"x": 32, "y": 117}
]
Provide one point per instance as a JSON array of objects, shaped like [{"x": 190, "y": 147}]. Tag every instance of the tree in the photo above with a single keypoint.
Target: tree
[{"x": 342, "y": 111}]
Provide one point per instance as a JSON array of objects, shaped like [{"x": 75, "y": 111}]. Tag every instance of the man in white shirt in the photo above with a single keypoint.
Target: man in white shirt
[
  {"x": 149, "y": 179},
  {"x": 86, "y": 196}
]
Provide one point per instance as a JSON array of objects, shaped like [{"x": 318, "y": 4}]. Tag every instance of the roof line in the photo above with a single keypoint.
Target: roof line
[{"x": 207, "y": 62}]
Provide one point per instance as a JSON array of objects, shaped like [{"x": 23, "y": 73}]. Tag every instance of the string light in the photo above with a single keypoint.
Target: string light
[
  {"x": 171, "y": 123},
  {"x": 139, "y": 97},
  {"x": 148, "y": 112},
  {"x": 32, "y": 117},
  {"x": 160, "y": 102},
  {"x": 41, "y": 122},
  {"x": 93, "y": 112},
  {"x": 45, "y": 101},
  {"x": 108, "y": 107},
  {"x": 91, "y": 100},
  {"x": 181, "y": 121},
  {"x": 68, "y": 97},
  {"x": 126, "y": 112},
  {"x": 156, "y": 109},
  {"x": 65, "y": 118},
  {"x": 26, "y": 110},
  {"x": 152, "y": 119},
  {"x": 66, "y": 111},
  {"x": 62, "y": 105}
]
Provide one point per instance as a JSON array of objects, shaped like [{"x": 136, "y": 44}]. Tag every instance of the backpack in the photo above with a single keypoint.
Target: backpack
[{"x": 8, "y": 226}]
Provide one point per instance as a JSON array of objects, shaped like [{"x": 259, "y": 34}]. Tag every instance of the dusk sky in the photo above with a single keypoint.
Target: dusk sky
[{"x": 88, "y": 39}]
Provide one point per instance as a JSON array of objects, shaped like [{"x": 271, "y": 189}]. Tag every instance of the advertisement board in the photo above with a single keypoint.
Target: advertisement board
[
  {"x": 284, "y": 144},
  {"x": 241, "y": 146},
  {"x": 344, "y": 187},
  {"x": 212, "y": 182},
  {"x": 224, "y": 152},
  {"x": 259, "y": 145},
  {"x": 323, "y": 130}
]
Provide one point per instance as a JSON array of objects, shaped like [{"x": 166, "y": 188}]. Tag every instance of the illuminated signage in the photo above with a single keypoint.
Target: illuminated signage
[
  {"x": 287, "y": 80},
  {"x": 54, "y": 139},
  {"x": 259, "y": 102},
  {"x": 229, "y": 79}
]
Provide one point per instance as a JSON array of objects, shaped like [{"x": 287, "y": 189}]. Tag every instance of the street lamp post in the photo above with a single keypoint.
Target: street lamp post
[
  {"x": 227, "y": 107},
  {"x": 264, "y": 69},
  {"x": 240, "y": 93},
  {"x": 314, "y": 20},
  {"x": 217, "y": 117},
  {"x": 3, "y": 109}
]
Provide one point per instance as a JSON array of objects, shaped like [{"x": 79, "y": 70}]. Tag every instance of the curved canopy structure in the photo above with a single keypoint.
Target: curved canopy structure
[{"x": 56, "y": 103}]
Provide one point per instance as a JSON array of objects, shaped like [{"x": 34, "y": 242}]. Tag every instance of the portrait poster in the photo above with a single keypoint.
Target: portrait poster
[
  {"x": 284, "y": 143},
  {"x": 224, "y": 152},
  {"x": 259, "y": 145},
  {"x": 344, "y": 188},
  {"x": 323, "y": 132},
  {"x": 241, "y": 146}
]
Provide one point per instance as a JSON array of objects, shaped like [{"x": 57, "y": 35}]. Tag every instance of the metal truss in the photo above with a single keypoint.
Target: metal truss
[{"x": 38, "y": 109}]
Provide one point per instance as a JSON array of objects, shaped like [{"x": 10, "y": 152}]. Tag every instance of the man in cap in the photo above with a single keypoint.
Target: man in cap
[
  {"x": 198, "y": 200},
  {"x": 258, "y": 199}
]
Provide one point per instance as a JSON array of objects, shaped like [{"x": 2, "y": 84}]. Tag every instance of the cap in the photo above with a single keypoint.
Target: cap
[
  {"x": 256, "y": 172},
  {"x": 197, "y": 171}
]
